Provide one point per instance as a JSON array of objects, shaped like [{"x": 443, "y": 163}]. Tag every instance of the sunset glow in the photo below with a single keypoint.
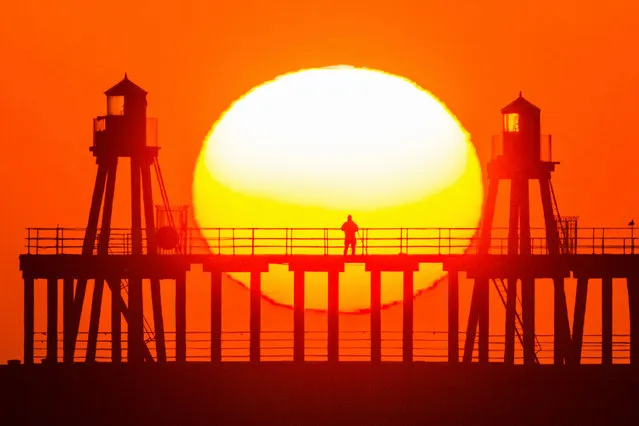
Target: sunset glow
[{"x": 308, "y": 148}]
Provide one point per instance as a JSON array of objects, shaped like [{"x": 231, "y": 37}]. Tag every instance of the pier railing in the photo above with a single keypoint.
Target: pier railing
[
  {"x": 330, "y": 241},
  {"x": 428, "y": 346}
]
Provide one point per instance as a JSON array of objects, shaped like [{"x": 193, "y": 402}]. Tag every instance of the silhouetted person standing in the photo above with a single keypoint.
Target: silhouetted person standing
[{"x": 350, "y": 228}]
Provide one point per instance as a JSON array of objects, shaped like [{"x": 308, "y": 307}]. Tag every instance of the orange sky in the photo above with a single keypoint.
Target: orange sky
[{"x": 573, "y": 59}]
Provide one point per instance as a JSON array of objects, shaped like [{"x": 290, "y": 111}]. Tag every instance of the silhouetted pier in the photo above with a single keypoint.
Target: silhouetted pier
[{"x": 160, "y": 247}]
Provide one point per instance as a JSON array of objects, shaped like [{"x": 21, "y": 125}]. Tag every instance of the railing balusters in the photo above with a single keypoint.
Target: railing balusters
[
  {"x": 325, "y": 241},
  {"x": 59, "y": 240}
]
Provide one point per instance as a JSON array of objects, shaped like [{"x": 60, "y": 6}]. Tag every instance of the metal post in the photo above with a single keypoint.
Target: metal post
[
  {"x": 528, "y": 318},
  {"x": 606, "y": 320},
  {"x": 135, "y": 334},
  {"x": 52, "y": 320},
  {"x": 453, "y": 317},
  {"x": 484, "y": 319},
  {"x": 376, "y": 316},
  {"x": 67, "y": 319},
  {"x": 298, "y": 315},
  {"x": 255, "y": 315},
  {"x": 333, "y": 316},
  {"x": 29, "y": 296},
  {"x": 180, "y": 319},
  {"x": 407, "y": 329},
  {"x": 216, "y": 315},
  {"x": 116, "y": 320}
]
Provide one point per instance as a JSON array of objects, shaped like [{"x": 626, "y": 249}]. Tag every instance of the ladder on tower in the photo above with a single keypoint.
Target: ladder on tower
[
  {"x": 502, "y": 291},
  {"x": 165, "y": 200},
  {"x": 563, "y": 231}
]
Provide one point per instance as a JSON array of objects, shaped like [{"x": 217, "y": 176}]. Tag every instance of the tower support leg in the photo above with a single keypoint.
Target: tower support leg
[
  {"x": 87, "y": 248},
  {"x": 632, "y": 283},
  {"x": 579, "y": 320},
  {"x": 453, "y": 317},
  {"x": 298, "y": 315},
  {"x": 471, "y": 328},
  {"x": 333, "y": 316},
  {"x": 255, "y": 316},
  {"x": 376, "y": 316},
  {"x": 156, "y": 293},
  {"x": 94, "y": 319},
  {"x": 480, "y": 289},
  {"x": 562, "y": 339},
  {"x": 52, "y": 320},
  {"x": 407, "y": 328},
  {"x": 517, "y": 186}
]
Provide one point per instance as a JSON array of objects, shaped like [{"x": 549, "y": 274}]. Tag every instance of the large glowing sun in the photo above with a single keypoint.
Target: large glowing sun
[{"x": 310, "y": 147}]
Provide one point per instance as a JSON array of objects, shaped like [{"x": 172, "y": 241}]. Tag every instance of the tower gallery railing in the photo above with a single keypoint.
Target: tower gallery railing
[{"x": 330, "y": 241}]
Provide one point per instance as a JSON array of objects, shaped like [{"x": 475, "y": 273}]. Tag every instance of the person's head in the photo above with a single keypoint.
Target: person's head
[{"x": 350, "y": 217}]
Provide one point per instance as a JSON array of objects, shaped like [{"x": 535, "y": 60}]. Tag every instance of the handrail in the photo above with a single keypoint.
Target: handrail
[
  {"x": 330, "y": 241},
  {"x": 428, "y": 345}
]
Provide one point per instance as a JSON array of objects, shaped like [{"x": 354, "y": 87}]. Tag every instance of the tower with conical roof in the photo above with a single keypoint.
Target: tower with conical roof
[
  {"x": 124, "y": 132},
  {"x": 519, "y": 162}
]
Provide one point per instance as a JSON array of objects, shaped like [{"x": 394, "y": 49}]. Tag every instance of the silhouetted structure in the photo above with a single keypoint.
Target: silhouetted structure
[
  {"x": 350, "y": 229},
  {"x": 123, "y": 259}
]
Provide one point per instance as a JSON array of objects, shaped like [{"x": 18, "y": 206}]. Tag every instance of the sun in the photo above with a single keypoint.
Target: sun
[{"x": 310, "y": 147}]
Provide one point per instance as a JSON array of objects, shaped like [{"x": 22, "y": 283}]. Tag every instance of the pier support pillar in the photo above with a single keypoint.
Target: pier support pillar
[
  {"x": 606, "y": 320},
  {"x": 484, "y": 319},
  {"x": 333, "y": 316},
  {"x": 67, "y": 320},
  {"x": 116, "y": 320},
  {"x": 528, "y": 319},
  {"x": 180, "y": 319},
  {"x": 29, "y": 296},
  {"x": 376, "y": 316},
  {"x": 408, "y": 317},
  {"x": 52, "y": 320},
  {"x": 216, "y": 315},
  {"x": 255, "y": 316},
  {"x": 135, "y": 335},
  {"x": 298, "y": 315},
  {"x": 453, "y": 317}
]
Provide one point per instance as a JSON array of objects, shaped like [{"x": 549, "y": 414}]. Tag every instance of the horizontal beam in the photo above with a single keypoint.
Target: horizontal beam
[{"x": 173, "y": 266}]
